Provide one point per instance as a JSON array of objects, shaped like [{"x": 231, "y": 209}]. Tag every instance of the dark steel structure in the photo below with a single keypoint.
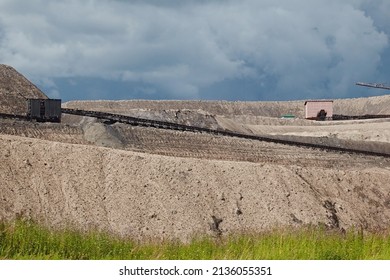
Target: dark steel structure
[
  {"x": 373, "y": 85},
  {"x": 44, "y": 110},
  {"x": 112, "y": 118}
]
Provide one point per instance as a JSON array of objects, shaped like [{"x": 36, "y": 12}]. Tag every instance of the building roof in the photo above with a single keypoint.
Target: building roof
[{"x": 318, "y": 101}]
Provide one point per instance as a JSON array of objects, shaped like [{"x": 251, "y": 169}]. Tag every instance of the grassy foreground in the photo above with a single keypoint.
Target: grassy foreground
[{"x": 26, "y": 240}]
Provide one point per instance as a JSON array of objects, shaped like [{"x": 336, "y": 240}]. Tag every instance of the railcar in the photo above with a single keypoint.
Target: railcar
[{"x": 44, "y": 110}]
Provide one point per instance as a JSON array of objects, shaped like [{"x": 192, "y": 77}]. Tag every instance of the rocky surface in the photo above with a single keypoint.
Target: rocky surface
[
  {"x": 149, "y": 184},
  {"x": 147, "y": 196},
  {"x": 14, "y": 90}
]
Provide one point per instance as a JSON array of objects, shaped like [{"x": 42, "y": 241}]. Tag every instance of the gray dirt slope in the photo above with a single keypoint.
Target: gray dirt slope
[
  {"x": 148, "y": 183},
  {"x": 14, "y": 89},
  {"x": 147, "y": 196},
  {"x": 275, "y": 109}
]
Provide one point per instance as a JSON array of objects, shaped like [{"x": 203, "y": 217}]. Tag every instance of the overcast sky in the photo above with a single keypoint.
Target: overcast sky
[{"x": 188, "y": 49}]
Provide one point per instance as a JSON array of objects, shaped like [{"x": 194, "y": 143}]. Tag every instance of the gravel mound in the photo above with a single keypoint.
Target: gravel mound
[
  {"x": 14, "y": 89},
  {"x": 153, "y": 197},
  {"x": 151, "y": 184}
]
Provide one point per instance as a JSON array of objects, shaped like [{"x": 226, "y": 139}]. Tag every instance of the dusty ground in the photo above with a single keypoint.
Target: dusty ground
[
  {"x": 14, "y": 89},
  {"x": 149, "y": 183},
  {"x": 243, "y": 112},
  {"x": 151, "y": 196}
]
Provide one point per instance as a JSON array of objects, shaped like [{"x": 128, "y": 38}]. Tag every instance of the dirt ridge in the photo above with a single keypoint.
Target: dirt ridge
[
  {"x": 147, "y": 196},
  {"x": 14, "y": 89}
]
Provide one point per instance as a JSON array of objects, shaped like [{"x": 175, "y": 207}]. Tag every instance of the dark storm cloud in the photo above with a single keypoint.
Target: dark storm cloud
[{"x": 197, "y": 49}]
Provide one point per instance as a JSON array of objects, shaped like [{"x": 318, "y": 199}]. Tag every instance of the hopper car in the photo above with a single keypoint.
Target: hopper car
[{"x": 44, "y": 110}]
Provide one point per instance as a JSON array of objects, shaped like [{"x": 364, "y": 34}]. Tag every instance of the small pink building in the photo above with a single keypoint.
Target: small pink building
[{"x": 315, "y": 109}]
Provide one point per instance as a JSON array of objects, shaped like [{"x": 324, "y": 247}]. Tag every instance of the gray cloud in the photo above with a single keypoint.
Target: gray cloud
[{"x": 181, "y": 48}]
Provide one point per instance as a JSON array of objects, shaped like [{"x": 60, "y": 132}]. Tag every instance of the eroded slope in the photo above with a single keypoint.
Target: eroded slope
[
  {"x": 151, "y": 196},
  {"x": 14, "y": 89}
]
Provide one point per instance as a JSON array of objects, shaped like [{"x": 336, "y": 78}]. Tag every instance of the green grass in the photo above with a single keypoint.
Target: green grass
[{"x": 27, "y": 240}]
